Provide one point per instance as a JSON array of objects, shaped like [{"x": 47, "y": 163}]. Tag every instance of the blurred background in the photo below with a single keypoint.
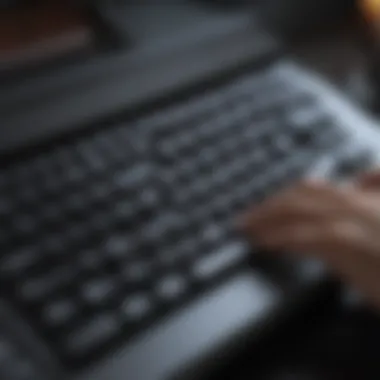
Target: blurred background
[
  {"x": 44, "y": 33},
  {"x": 57, "y": 62},
  {"x": 336, "y": 39}
]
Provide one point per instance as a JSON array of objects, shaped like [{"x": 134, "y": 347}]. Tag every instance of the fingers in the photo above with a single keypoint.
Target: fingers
[
  {"x": 326, "y": 240},
  {"x": 308, "y": 202},
  {"x": 292, "y": 238},
  {"x": 313, "y": 217},
  {"x": 338, "y": 225},
  {"x": 277, "y": 204}
]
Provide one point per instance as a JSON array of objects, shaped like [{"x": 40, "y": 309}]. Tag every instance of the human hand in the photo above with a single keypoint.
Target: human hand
[{"x": 338, "y": 224}]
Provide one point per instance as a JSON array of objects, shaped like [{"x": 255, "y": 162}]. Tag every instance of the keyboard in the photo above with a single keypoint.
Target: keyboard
[
  {"x": 15, "y": 360},
  {"x": 106, "y": 233}
]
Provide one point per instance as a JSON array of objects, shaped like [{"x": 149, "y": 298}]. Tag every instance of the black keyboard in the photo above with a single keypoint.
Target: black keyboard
[
  {"x": 103, "y": 235},
  {"x": 15, "y": 360}
]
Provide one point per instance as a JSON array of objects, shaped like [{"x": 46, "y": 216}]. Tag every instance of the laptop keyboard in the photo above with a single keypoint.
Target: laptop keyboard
[{"x": 106, "y": 234}]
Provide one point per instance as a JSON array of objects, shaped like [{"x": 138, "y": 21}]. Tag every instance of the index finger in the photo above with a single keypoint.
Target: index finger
[{"x": 308, "y": 197}]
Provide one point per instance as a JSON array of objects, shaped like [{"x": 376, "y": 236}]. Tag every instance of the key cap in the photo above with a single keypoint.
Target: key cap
[
  {"x": 149, "y": 198},
  {"x": 93, "y": 334},
  {"x": 36, "y": 288},
  {"x": 305, "y": 115},
  {"x": 119, "y": 247},
  {"x": 19, "y": 261},
  {"x": 169, "y": 255},
  {"x": 212, "y": 233},
  {"x": 162, "y": 225},
  {"x": 169, "y": 148},
  {"x": 98, "y": 291},
  {"x": 283, "y": 145},
  {"x": 125, "y": 210},
  {"x": 137, "y": 271},
  {"x": 91, "y": 156},
  {"x": 137, "y": 306},
  {"x": 220, "y": 260},
  {"x": 60, "y": 312},
  {"x": 132, "y": 177},
  {"x": 171, "y": 287}
]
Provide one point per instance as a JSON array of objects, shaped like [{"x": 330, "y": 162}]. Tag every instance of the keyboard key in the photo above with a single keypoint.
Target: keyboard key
[
  {"x": 98, "y": 291},
  {"x": 132, "y": 177},
  {"x": 60, "y": 312},
  {"x": 218, "y": 261},
  {"x": 149, "y": 198},
  {"x": 170, "y": 255},
  {"x": 161, "y": 226},
  {"x": 92, "y": 159},
  {"x": 119, "y": 247},
  {"x": 137, "y": 271},
  {"x": 188, "y": 247},
  {"x": 137, "y": 306},
  {"x": 212, "y": 233},
  {"x": 283, "y": 144},
  {"x": 169, "y": 148},
  {"x": 39, "y": 287},
  {"x": 306, "y": 115},
  {"x": 92, "y": 335},
  {"x": 171, "y": 287},
  {"x": 17, "y": 262}
]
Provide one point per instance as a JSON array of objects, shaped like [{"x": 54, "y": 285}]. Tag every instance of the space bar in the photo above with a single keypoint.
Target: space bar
[{"x": 220, "y": 260}]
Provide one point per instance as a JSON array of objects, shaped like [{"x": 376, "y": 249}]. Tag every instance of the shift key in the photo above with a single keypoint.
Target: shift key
[{"x": 220, "y": 260}]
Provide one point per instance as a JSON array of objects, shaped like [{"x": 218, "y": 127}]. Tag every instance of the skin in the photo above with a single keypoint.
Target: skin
[{"x": 338, "y": 224}]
